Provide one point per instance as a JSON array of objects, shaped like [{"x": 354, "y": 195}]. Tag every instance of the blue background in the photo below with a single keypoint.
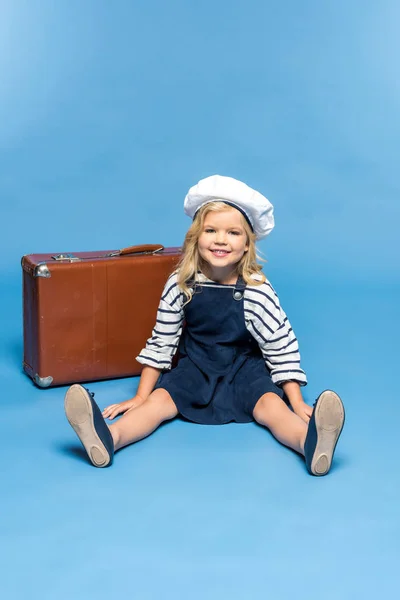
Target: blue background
[{"x": 109, "y": 112}]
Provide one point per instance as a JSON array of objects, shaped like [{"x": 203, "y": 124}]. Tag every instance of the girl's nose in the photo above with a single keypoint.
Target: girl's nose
[{"x": 220, "y": 239}]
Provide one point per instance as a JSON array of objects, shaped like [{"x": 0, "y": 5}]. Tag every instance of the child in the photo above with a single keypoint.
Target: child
[{"x": 238, "y": 355}]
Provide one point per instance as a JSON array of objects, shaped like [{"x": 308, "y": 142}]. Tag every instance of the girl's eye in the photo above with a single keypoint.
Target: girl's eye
[{"x": 210, "y": 230}]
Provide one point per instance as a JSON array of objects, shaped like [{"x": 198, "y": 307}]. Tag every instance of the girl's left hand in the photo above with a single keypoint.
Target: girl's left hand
[{"x": 303, "y": 410}]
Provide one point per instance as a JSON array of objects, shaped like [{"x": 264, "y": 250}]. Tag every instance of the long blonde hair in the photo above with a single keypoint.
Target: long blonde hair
[{"x": 191, "y": 261}]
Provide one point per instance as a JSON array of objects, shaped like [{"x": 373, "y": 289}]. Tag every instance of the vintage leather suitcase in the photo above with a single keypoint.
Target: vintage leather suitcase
[{"x": 87, "y": 315}]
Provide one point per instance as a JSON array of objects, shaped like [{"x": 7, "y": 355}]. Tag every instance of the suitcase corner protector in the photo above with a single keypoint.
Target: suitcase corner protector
[
  {"x": 43, "y": 382},
  {"x": 41, "y": 270}
]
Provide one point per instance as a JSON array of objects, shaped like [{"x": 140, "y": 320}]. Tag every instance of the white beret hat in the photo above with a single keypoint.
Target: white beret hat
[{"x": 258, "y": 211}]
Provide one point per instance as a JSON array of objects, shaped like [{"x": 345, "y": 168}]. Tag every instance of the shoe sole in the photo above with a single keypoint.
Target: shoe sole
[
  {"x": 329, "y": 421},
  {"x": 78, "y": 409}
]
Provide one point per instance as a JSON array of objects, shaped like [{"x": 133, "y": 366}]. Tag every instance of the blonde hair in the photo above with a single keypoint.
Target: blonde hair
[{"x": 191, "y": 261}]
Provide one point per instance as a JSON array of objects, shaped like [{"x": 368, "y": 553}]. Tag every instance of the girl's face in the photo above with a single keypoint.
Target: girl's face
[{"x": 222, "y": 242}]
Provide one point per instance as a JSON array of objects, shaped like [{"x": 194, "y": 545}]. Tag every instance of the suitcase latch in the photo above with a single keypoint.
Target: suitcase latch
[{"x": 67, "y": 256}]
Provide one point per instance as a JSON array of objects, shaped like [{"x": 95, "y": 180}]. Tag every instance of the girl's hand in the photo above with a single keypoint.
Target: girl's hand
[
  {"x": 303, "y": 410},
  {"x": 293, "y": 392},
  {"x": 110, "y": 412}
]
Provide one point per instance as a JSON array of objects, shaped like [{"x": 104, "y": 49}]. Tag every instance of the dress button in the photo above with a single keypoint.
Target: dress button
[{"x": 237, "y": 295}]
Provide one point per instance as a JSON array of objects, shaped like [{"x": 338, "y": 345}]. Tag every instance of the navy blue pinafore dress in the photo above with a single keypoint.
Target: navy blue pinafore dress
[{"x": 221, "y": 373}]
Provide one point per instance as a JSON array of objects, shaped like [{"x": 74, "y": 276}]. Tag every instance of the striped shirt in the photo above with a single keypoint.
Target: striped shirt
[{"x": 264, "y": 319}]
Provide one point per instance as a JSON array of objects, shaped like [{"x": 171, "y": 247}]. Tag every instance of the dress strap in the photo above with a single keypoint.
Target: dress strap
[{"x": 239, "y": 288}]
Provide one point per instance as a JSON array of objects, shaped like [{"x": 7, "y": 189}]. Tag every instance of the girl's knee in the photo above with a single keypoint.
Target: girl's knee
[
  {"x": 161, "y": 401},
  {"x": 267, "y": 407}
]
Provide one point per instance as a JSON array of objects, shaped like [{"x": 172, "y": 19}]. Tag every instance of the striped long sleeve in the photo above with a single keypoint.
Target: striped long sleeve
[
  {"x": 269, "y": 325},
  {"x": 161, "y": 346}
]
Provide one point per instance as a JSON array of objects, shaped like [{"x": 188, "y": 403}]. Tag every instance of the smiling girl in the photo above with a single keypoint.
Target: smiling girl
[{"x": 237, "y": 353}]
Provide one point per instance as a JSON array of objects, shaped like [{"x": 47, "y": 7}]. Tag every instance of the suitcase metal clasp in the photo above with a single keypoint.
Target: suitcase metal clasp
[{"x": 67, "y": 256}]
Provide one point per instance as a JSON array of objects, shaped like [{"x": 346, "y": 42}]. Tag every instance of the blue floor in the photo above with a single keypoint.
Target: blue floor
[{"x": 211, "y": 511}]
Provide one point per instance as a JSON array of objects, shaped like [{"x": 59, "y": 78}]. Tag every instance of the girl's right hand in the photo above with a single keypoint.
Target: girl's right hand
[{"x": 110, "y": 412}]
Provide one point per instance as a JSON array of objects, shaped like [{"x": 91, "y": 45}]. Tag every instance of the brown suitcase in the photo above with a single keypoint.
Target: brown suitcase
[{"x": 87, "y": 315}]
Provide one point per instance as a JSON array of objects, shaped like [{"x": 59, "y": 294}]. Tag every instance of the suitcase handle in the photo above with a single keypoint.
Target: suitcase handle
[{"x": 143, "y": 249}]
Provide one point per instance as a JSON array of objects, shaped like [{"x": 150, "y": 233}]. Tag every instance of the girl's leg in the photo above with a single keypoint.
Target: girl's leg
[
  {"x": 137, "y": 423},
  {"x": 287, "y": 427},
  {"x": 100, "y": 440}
]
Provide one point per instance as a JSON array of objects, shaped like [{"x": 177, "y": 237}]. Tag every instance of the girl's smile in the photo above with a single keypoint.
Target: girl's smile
[{"x": 220, "y": 253}]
